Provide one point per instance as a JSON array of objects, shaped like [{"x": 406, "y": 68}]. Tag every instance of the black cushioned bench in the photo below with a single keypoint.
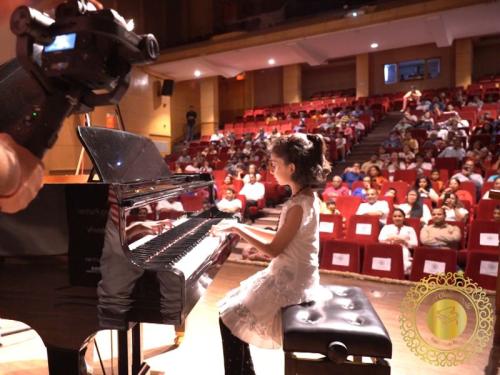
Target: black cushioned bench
[{"x": 343, "y": 326}]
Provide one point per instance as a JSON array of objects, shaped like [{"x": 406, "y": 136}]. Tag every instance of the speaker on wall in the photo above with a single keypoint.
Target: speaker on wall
[{"x": 167, "y": 88}]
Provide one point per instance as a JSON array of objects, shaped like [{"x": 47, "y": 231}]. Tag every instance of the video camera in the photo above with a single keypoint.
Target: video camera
[{"x": 80, "y": 60}]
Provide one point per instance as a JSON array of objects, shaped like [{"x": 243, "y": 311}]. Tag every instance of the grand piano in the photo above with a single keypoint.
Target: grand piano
[{"x": 133, "y": 247}]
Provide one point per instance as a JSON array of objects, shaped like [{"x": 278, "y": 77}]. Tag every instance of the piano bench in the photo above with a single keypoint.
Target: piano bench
[{"x": 333, "y": 336}]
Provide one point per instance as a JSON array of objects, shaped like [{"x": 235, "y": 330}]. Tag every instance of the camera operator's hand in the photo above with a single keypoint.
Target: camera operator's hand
[{"x": 21, "y": 175}]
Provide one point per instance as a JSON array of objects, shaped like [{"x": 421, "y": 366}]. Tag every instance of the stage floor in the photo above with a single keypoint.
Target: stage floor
[{"x": 201, "y": 353}]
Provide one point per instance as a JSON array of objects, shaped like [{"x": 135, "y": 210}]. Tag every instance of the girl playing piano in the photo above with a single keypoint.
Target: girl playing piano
[{"x": 251, "y": 313}]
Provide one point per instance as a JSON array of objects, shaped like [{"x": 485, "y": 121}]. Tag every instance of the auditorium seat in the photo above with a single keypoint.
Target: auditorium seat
[
  {"x": 484, "y": 235},
  {"x": 383, "y": 260},
  {"x": 340, "y": 255},
  {"x": 450, "y": 164},
  {"x": 363, "y": 229},
  {"x": 430, "y": 260},
  {"x": 482, "y": 267},
  {"x": 401, "y": 188},
  {"x": 330, "y": 227},
  {"x": 485, "y": 209},
  {"x": 408, "y": 176},
  {"x": 347, "y": 205}
]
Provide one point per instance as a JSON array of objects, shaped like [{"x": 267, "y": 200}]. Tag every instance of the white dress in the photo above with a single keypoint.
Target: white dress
[{"x": 253, "y": 310}]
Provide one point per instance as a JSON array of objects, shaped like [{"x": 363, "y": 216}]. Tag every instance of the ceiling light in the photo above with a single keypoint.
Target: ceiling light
[
  {"x": 197, "y": 73},
  {"x": 374, "y": 45},
  {"x": 271, "y": 61},
  {"x": 354, "y": 14}
]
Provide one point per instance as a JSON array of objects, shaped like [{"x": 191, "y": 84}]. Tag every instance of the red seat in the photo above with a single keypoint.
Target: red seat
[
  {"x": 482, "y": 267},
  {"x": 488, "y": 185},
  {"x": 192, "y": 202},
  {"x": 450, "y": 164},
  {"x": 341, "y": 256},
  {"x": 430, "y": 260},
  {"x": 485, "y": 209},
  {"x": 363, "y": 229},
  {"x": 384, "y": 260},
  {"x": 484, "y": 235},
  {"x": 408, "y": 176},
  {"x": 347, "y": 205},
  {"x": 401, "y": 188},
  {"x": 330, "y": 227},
  {"x": 357, "y": 184},
  {"x": 471, "y": 188}
]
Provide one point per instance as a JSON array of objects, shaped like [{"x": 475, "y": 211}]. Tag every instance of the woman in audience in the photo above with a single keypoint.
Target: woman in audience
[
  {"x": 415, "y": 208},
  {"x": 424, "y": 187},
  {"x": 496, "y": 186},
  {"x": 454, "y": 187},
  {"x": 454, "y": 209},
  {"x": 399, "y": 234},
  {"x": 426, "y": 121},
  {"x": 361, "y": 191},
  {"x": 377, "y": 179}
]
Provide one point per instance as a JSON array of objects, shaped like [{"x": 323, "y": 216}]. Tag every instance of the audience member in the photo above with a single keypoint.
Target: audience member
[
  {"x": 374, "y": 207},
  {"x": 253, "y": 191},
  {"x": 424, "y": 187},
  {"x": 415, "y": 208},
  {"x": 411, "y": 98},
  {"x": 496, "y": 186},
  {"x": 496, "y": 214},
  {"x": 454, "y": 151},
  {"x": 335, "y": 189},
  {"x": 399, "y": 234},
  {"x": 329, "y": 207},
  {"x": 363, "y": 191},
  {"x": 230, "y": 204},
  {"x": 453, "y": 208},
  {"x": 467, "y": 174},
  {"x": 436, "y": 181},
  {"x": 352, "y": 174},
  {"x": 374, "y": 161},
  {"x": 440, "y": 233},
  {"x": 377, "y": 179}
]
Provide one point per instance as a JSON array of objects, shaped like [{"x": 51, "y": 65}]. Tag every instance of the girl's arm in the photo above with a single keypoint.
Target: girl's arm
[
  {"x": 272, "y": 246},
  {"x": 266, "y": 233}
]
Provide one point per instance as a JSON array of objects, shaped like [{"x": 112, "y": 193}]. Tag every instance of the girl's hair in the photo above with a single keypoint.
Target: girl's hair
[
  {"x": 417, "y": 210},
  {"x": 307, "y": 153},
  {"x": 417, "y": 182}
]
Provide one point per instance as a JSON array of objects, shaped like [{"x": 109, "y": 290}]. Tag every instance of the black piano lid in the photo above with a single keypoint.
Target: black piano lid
[{"x": 122, "y": 157}]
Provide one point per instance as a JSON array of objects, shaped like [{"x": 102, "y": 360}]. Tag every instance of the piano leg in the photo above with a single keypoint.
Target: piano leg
[
  {"x": 130, "y": 342},
  {"x": 179, "y": 334},
  {"x": 66, "y": 361}
]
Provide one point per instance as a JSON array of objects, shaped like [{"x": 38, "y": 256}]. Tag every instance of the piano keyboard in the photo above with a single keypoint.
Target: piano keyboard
[{"x": 185, "y": 246}]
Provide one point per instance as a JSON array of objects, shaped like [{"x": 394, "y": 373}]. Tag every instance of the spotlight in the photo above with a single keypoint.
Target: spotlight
[
  {"x": 197, "y": 73},
  {"x": 271, "y": 61},
  {"x": 374, "y": 45}
]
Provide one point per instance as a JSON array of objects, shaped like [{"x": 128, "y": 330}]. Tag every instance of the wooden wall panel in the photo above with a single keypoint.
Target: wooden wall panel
[
  {"x": 268, "y": 86},
  {"x": 378, "y": 59},
  {"x": 338, "y": 75},
  {"x": 186, "y": 93}
]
